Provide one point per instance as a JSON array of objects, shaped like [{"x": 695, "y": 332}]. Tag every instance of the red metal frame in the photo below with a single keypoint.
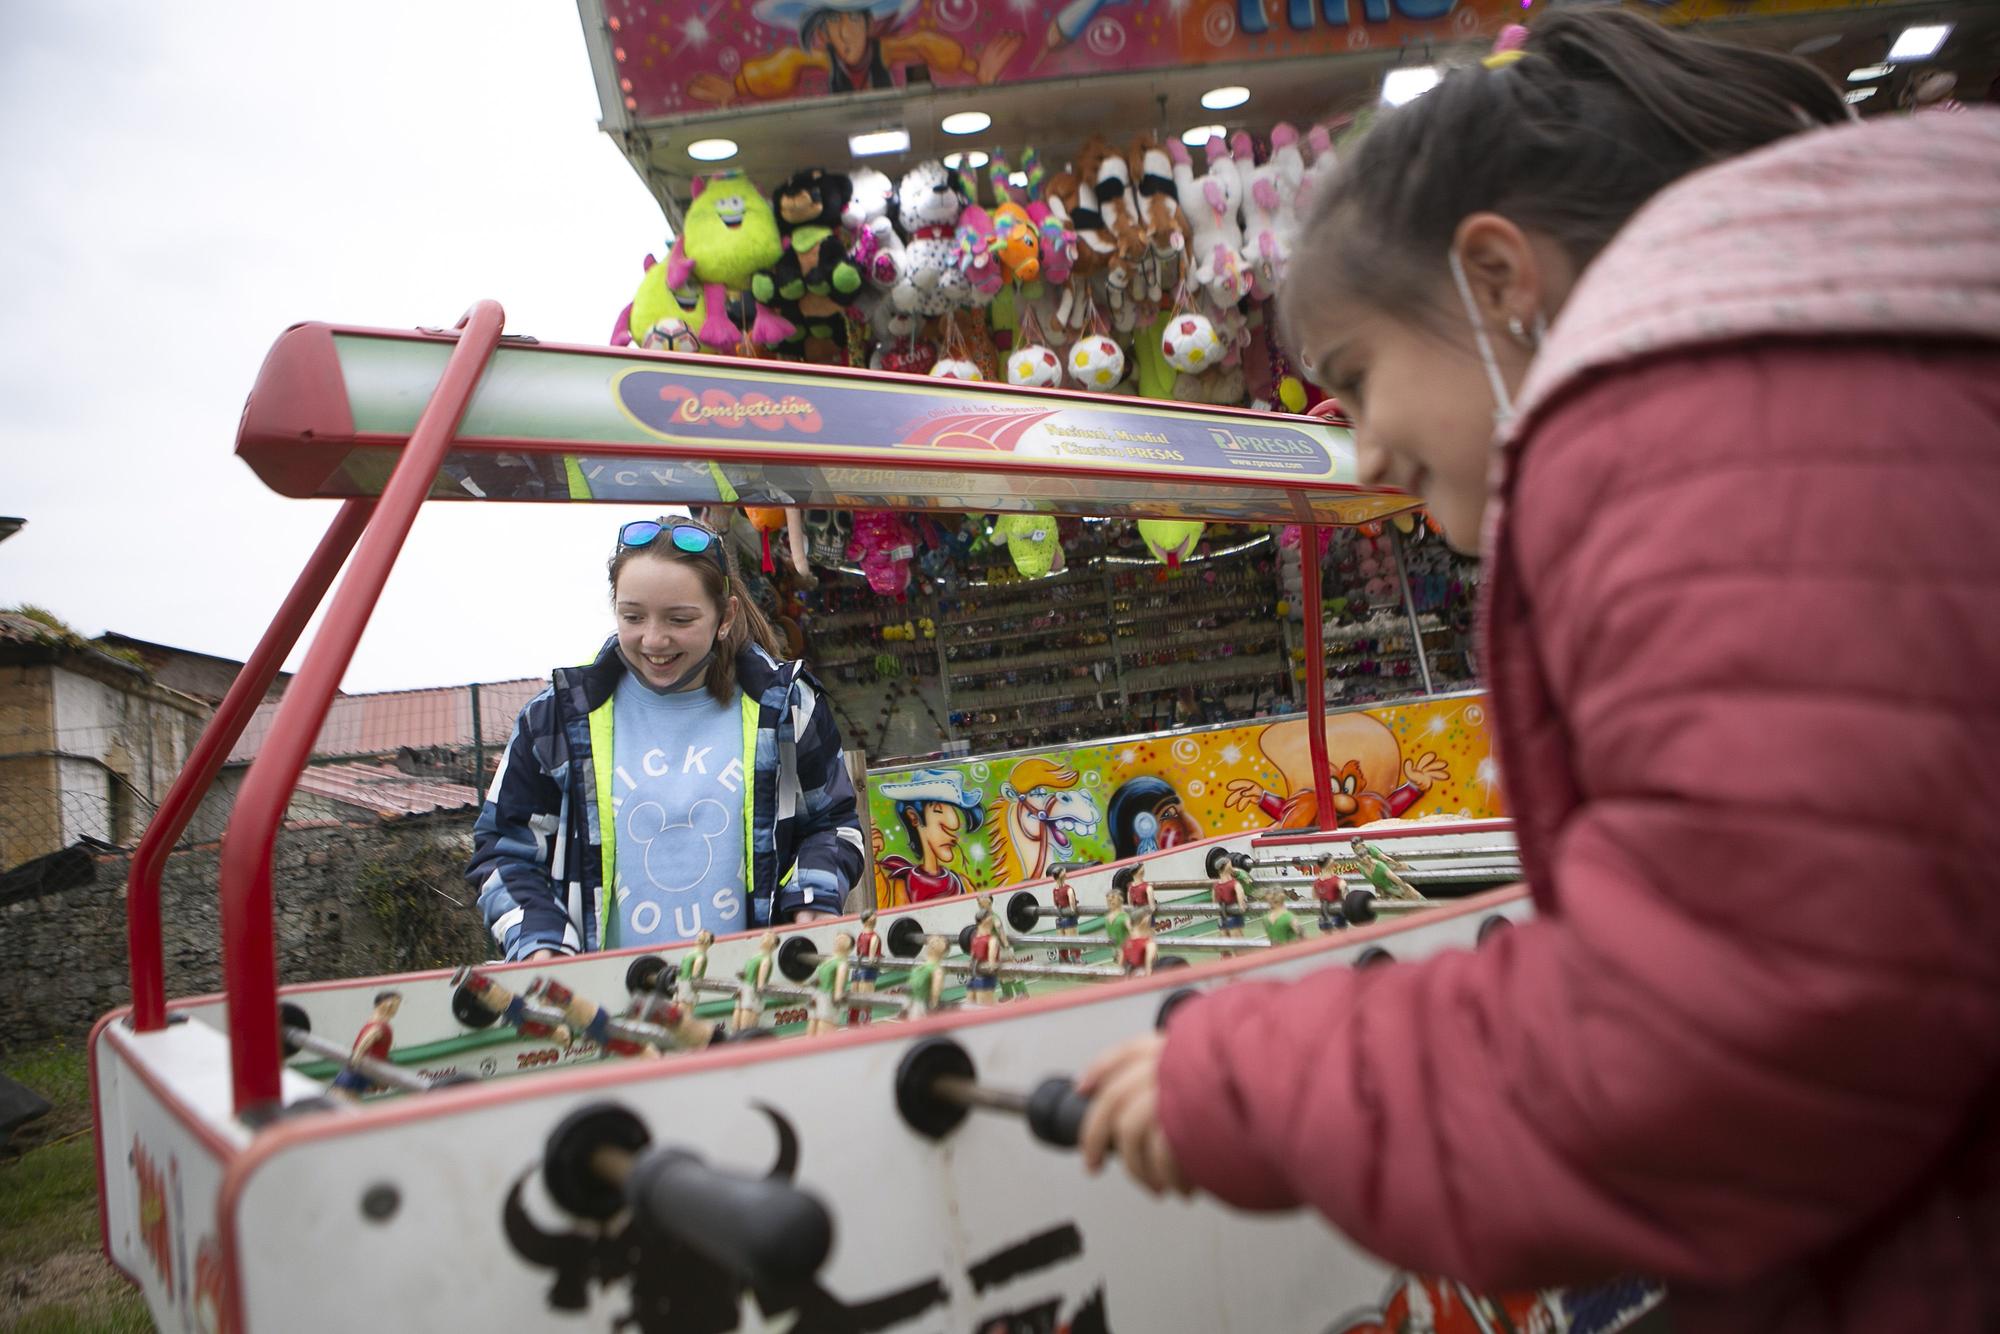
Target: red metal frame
[
  {"x": 142, "y": 886},
  {"x": 249, "y": 957}
]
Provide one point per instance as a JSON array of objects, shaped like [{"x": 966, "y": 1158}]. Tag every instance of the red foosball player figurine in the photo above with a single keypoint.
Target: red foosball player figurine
[
  {"x": 1010, "y": 988},
  {"x": 983, "y": 986},
  {"x": 1139, "y": 952},
  {"x": 1139, "y": 893},
  {"x": 694, "y": 969},
  {"x": 1329, "y": 886},
  {"x": 588, "y": 1020},
  {"x": 1066, "y": 914},
  {"x": 867, "y": 968},
  {"x": 756, "y": 976},
  {"x": 829, "y": 984},
  {"x": 373, "y": 1042},
  {"x": 927, "y": 979},
  {"x": 1228, "y": 893}
]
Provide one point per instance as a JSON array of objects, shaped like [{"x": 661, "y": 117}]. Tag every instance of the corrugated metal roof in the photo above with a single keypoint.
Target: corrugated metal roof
[
  {"x": 387, "y": 792},
  {"x": 379, "y": 723}
]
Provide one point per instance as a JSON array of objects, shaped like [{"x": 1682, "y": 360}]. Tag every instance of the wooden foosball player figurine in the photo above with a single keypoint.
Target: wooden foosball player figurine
[
  {"x": 1380, "y": 870},
  {"x": 1329, "y": 886},
  {"x": 1231, "y": 894},
  {"x": 1117, "y": 922},
  {"x": 1140, "y": 952},
  {"x": 756, "y": 976},
  {"x": 1280, "y": 927},
  {"x": 1066, "y": 913},
  {"x": 1011, "y": 988},
  {"x": 373, "y": 1041},
  {"x": 983, "y": 986},
  {"x": 694, "y": 969},
  {"x": 926, "y": 981},
  {"x": 867, "y": 967},
  {"x": 829, "y": 985}
]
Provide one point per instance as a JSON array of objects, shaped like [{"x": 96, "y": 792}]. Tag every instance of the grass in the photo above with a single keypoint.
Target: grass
[{"x": 54, "y": 1279}]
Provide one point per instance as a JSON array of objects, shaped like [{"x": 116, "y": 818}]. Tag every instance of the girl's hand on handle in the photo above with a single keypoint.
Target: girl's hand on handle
[{"x": 1123, "y": 1085}]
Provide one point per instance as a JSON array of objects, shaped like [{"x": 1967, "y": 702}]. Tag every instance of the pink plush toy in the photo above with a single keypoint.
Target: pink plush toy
[{"x": 883, "y": 546}]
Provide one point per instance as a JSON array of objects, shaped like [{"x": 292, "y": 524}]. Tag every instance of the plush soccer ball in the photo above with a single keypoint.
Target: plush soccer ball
[
  {"x": 1035, "y": 366},
  {"x": 1190, "y": 343},
  {"x": 955, "y": 368},
  {"x": 1096, "y": 362},
  {"x": 671, "y": 335}
]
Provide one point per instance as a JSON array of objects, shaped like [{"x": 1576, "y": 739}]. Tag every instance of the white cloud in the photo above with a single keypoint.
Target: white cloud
[{"x": 186, "y": 181}]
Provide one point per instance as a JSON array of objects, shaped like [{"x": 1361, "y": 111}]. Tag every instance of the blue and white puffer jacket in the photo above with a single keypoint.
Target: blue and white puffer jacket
[{"x": 539, "y": 861}]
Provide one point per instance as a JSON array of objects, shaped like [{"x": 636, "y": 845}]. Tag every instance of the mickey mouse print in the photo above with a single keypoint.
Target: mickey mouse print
[{"x": 677, "y": 795}]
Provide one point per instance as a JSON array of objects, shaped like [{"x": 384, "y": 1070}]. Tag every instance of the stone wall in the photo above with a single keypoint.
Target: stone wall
[{"x": 351, "y": 901}]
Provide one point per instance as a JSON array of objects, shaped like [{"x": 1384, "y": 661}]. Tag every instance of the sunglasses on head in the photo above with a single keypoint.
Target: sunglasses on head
[{"x": 685, "y": 536}]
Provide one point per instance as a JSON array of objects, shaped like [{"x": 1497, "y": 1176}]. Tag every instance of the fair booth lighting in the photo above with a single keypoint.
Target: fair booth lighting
[
  {"x": 876, "y": 142},
  {"x": 1222, "y": 99},
  {"x": 965, "y": 122},
  {"x": 1920, "y": 42},
  {"x": 1199, "y": 136},
  {"x": 712, "y": 150},
  {"x": 1407, "y": 85}
]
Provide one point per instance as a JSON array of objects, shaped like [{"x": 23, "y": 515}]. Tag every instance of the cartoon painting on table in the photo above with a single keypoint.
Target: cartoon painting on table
[
  {"x": 934, "y": 812},
  {"x": 1108, "y": 801},
  {"x": 1041, "y": 812}
]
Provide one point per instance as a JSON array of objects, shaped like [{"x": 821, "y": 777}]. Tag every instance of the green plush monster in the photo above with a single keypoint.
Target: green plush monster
[
  {"x": 729, "y": 234},
  {"x": 1170, "y": 540},
  {"x": 1032, "y": 541}
]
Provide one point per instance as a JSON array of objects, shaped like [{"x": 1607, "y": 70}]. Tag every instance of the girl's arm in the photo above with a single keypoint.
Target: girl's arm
[
  {"x": 512, "y": 846},
  {"x": 831, "y": 855},
  {"x": 1722, "y": 1049}
]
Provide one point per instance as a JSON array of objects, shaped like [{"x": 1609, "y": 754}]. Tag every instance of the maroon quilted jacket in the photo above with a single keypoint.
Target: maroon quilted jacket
[{"x": 1743, "y": 626}]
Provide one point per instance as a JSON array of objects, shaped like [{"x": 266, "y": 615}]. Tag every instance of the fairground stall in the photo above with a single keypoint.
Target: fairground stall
[{"x": 654, "y": 1168}]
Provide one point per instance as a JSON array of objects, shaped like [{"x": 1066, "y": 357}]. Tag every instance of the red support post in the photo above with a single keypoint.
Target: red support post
[
  {"x": 249, "y": 957},
  {"x": 1315, "y": 673},
  {"x": 142, "y": 885}
]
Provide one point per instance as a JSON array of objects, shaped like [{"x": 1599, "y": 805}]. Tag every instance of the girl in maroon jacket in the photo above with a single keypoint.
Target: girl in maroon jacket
[{"x": 1741, "y": 521}]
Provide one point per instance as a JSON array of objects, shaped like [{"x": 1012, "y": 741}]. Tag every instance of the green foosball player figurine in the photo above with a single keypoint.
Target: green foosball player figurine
[
  {"x": 926, "y": 982},
  {"x": 1380, "y": 870},
  {"x": 1280, "y": 927},
  {"x": 755, "y": 977},
  {"x": 1117, "y": 925},
  {"x": 829, "y": 984}
]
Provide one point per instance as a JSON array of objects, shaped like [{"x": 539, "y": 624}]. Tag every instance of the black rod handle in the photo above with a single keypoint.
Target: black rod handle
[
  {"x": 1056, "y": 1111},
  {"x": 766, "y": 1231}
]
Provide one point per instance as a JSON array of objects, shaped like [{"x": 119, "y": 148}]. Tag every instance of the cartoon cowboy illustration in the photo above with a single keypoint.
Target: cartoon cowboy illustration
[
  {"x": 935, "y": 810},
  {"x": 855, "y": 43}
]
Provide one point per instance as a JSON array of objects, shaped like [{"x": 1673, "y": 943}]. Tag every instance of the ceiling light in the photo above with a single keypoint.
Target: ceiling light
[
  {"x": 1920, "y": 42},
  {"x": 1018, "y": 179},
  {"x": 1867, "y": 72},
  {"x": 973, "y": 160},
  {"x": 1860, "y": 94},
  {"x": 712, "y": 150},
  {"x": 876, "y": 142},
  {"x": 1222, "y": 99},
  {"x": 965, "y": 122},
  {"x": 1200, "y": 135},
  {"x": 1407, "y": 85}
]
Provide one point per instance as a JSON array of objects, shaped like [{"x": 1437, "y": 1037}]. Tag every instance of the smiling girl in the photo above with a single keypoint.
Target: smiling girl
[
  {"x": 686, "y": 780},
  {"x": 1717, "y": 393}
]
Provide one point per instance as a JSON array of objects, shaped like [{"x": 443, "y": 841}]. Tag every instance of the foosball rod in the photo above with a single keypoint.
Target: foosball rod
[
  {"x": 1499, "y": 851},
  {"x": 937, "y": 1086},
  {"x": 535, "y": 1020},
  {"x": 378, "y": 1071},
  {"x": 1042, "y": 940},
  {"x": 809, "y": 959},
  {"x": 872, "y": 999}
]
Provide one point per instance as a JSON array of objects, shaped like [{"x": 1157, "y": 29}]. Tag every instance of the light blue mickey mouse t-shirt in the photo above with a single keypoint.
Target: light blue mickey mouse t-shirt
[{"x": 677, "y": 802}]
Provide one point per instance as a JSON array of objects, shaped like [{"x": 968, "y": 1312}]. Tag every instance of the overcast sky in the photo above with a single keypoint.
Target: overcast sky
[{"x": 183, "y": 181}]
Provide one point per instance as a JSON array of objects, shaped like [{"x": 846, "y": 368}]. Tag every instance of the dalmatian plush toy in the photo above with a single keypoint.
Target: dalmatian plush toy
[{"x": 929, "y": 200}]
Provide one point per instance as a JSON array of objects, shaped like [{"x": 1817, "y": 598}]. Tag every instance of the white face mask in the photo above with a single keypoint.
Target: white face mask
[{"x": 1531, "y": 336}]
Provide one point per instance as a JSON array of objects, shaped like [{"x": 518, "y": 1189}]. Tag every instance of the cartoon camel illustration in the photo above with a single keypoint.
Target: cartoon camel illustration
[
  {"x": 1040, "y": 813},
  {"x": 1363, "y": 759}
]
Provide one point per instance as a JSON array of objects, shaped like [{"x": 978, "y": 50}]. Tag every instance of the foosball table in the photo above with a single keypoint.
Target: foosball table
[{"x": 850, "y": 1125}]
